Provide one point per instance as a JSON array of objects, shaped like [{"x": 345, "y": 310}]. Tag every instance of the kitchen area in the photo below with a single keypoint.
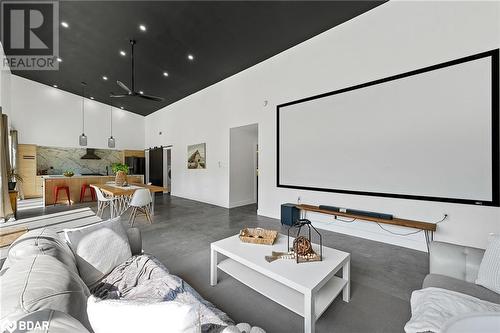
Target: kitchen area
[{"x": 42, "y": 169}]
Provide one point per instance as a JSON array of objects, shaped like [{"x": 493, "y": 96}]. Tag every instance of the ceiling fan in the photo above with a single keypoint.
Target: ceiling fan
[{"x": 132, "y": 92}]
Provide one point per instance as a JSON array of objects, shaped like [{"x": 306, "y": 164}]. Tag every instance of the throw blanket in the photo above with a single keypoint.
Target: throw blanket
[
  {"x": 144, "y": 277},
  {"x": 432, "y": 307}
]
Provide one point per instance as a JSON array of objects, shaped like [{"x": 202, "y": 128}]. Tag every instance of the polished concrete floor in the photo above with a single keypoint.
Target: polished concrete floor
[{"x": 382, "y": 276}]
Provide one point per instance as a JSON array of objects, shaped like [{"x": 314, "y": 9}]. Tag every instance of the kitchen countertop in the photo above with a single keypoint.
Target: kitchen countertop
[{"x": 77, "y": 176}]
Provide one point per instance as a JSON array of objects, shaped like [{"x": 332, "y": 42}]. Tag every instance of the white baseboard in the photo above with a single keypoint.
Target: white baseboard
[
  {"x": 359, "y": 229},
  {"x": 242, "y": 203}
]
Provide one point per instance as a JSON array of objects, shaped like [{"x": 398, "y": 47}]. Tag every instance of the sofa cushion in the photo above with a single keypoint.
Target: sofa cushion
[
  {"x": 489, "y": 270},
  {"x": 43, "y": 282},
  {"x": 98, "y": 248},
  {"x": 42, "y": 321},
  {"x": 41, "y": 241},
  {"x": 461, "y": 262},
  {"x": 473, "y": 322},
  {"x": 121, "y": 315},
  {"x": 446, "y": 282},
  {"x": 134, "y": 240}
]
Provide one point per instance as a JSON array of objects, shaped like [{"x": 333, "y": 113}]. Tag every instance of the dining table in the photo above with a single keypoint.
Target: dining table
[{"x": 123, "y": 195}]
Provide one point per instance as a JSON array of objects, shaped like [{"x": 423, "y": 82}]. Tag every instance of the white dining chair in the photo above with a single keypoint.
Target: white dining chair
[
  {"x": 103, "y": 202},
  {"x": 141, "y": 201}
]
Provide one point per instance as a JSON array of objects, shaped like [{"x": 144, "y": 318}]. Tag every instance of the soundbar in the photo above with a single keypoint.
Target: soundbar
[
  {"x": 356, "y": 212},
  {"x": 370, "y": 214},
  {"x": 330, "y": 208}
]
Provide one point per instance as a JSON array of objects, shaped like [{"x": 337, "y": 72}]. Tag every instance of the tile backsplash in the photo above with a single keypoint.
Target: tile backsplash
[{"x": 57, "y": 160}]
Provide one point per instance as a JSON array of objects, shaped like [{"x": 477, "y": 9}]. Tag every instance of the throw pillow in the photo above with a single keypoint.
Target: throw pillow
[
  {"x": 98, "y": 248},
  {"x": 132, "y": 316},
  {"x": 489, "y": 269}
]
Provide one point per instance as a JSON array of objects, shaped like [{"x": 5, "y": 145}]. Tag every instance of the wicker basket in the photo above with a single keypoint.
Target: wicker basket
[
  {"x": 121, "y": 178},
  {"x": 258, "y": 236}
]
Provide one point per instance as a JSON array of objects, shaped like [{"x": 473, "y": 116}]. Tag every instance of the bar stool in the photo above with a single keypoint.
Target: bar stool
[
  {"x": 61, "y": 188},
  {"x": 83, "y": 191}
]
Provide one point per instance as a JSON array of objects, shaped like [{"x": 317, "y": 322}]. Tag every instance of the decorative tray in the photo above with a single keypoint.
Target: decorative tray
[{"x": 258, "y": 236}]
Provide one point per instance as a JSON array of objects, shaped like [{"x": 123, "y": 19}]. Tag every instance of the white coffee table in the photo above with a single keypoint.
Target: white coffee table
[{"x": 306, "y": 288}]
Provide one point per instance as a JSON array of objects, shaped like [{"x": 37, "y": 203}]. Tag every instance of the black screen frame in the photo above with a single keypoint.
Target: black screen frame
[{"x": 495, "y": 117}]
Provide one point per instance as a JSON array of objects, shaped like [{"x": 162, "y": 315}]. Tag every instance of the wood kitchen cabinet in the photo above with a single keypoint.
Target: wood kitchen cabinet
[
  {"x": 39, "y": 186},
  {"x": 26, "y": 168},
  {"x": 133, "y": 153}
]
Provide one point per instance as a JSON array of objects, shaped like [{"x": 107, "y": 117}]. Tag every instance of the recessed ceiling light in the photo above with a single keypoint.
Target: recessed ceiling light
[
  {"x": 191, "y": 57},
  {"x": 123, "y": 53},
  {"x": 105, "y": 78},
  {"x": 165, "y": 74},
  {"x": 65, "y": 24},
  {"x": 91, "y": 97},
  {"x": 59, "y": 59},
  {"x": 141, "y": 92},
  {"x": 142, "y": 27},
  {"x": 55, "y": 86}
]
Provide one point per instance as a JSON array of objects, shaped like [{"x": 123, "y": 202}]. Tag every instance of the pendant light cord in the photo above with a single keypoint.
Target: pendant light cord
[
  {"x": 83, "y": 109},
  {"x": 111, "y": 120}
]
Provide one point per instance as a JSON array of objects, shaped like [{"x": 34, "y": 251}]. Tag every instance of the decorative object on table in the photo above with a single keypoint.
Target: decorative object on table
[
  {"x": 197, "y": 156},
  {"x": 302, "y": 246},
  {"x": 121, "y": 171},
  {"x": 280, "y": 255},
  {"x": 13, "y": 179},
  {"x": 68, "y": 173},
  {"x": 258, "y": 236}
]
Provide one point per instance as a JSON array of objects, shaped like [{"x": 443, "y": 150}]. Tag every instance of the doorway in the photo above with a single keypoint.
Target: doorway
[
  {"x": 167, "y": 168},
  {"x": 243, "y": 165}
]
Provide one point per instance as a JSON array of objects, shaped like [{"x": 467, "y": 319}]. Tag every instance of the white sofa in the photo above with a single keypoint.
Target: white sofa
[
  {"x": 455, "y": 267},
  {"x": 450, "y": 300},
  {"x": 40, "y": 282}
]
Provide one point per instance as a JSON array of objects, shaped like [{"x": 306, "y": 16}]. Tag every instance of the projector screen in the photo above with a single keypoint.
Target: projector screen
[{"x": 429, "y": 134}]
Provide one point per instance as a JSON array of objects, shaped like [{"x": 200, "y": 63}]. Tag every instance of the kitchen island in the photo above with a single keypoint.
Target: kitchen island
[{"x": 75, "y": 185}]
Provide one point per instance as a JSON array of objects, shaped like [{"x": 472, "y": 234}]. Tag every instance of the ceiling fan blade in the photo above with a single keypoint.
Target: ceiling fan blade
[
  {"x": 124, "y": 87},
  {"x": 152, "y": 98},
  {"x": 132, "y": 92},
  {"x": 120, "y": 95}
]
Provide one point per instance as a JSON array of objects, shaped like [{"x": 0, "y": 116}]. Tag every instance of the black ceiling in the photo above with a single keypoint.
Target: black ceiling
[{"x": 225, "y": 37}]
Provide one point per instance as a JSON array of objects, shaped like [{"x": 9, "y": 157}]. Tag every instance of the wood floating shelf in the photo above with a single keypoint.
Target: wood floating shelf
[{"x": 395, "y": 221}]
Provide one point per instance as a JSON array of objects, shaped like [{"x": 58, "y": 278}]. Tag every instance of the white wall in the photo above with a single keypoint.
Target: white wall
[
  {"x": 5, "y": 86},
  {"x": 47, "y": 116},
  {"x": 393, "y": 38},
  {"x": 242, "y": 165}
]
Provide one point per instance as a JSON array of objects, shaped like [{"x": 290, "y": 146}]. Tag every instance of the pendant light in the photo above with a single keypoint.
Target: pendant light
[
  {"x": 111, "y": 140},
  {"x": 83, "y": 138}
]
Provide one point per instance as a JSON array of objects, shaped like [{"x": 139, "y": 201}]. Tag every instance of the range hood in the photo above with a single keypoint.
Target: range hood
[{"x": 90, "y": 155}]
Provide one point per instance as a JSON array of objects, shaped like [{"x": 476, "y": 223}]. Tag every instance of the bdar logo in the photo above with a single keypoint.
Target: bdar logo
[{"x": 8, "y": 326}]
